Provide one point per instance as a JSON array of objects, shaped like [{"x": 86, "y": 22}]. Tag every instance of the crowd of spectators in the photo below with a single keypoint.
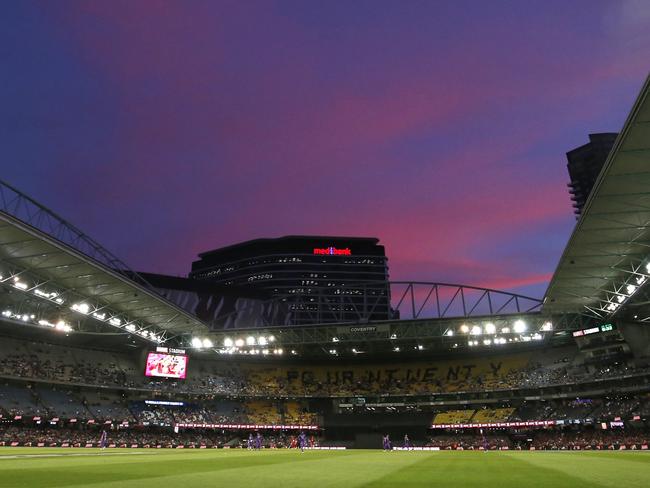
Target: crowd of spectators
[
  {"x": 119, "y": 437},
  {"x": 543, "y": 439},
  {"x": 590, "y": 439},
  {"x": 83, "y": 435},
  {"x": 474, "y": 439},
  {"x": 56, "y": 364}
]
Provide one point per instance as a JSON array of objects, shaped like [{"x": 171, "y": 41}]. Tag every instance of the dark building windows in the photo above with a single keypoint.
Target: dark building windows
[{"x": 585, "y": 164}]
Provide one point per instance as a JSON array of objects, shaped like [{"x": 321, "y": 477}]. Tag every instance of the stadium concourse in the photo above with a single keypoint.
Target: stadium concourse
[{"x": 89, "y": 347}]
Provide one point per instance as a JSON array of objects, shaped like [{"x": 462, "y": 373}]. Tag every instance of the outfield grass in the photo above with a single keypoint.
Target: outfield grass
[{"x": 125, "y": 468}]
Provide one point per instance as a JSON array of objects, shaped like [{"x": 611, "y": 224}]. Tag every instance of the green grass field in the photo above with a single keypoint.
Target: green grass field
[{"x": 33, "y": 467}]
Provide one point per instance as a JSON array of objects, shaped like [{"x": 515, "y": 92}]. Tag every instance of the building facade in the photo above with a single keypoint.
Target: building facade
[
  {"x": 322, "y": 279},
  {"x": 584, "y": 166}
]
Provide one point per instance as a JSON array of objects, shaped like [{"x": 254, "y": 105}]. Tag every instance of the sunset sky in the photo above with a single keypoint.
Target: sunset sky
[{"x": 167, "y": 128}]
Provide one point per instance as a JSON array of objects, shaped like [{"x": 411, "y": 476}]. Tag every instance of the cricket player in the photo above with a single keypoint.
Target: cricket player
[{"x": 103, "y": 440}]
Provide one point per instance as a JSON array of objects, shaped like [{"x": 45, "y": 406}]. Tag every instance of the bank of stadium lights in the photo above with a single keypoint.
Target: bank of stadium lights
[
  {"x": 616, "y": 297},
  {"x": 547, "y": 327},
  {"x": 247, "y": 345},
  {"x": 22, "y": 286},
  {"x": 85, "y": 309},
  {"x": 505, "y": 330},
  {"x": 19, "y": 284},
  {"x": 476, "y": 330},
  {"x": 198, "y": 343},
  {"x": 82, "y": 308},
  {"x": 464, "y": 329},
  {"x": 449, "y": 333},
  {"x": 60, "y": 325},
  {"x": 51, "y": 295},
  {"x": 490, "y": 328},
  {"x": 519, "y": 326}
]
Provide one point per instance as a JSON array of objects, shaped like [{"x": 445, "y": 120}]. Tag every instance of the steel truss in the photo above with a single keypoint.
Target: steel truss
[
  {"x": 406, "y": 335},
  {"x": 24, "y": 208}
]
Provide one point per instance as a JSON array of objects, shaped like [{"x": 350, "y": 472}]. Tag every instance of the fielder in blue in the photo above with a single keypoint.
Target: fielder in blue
[
  {"x": 258, "y": 441},
  {"x": 103, "y": 440},
  {"x": 302, "y": 441},
  {"x": 387, "y": 444}
]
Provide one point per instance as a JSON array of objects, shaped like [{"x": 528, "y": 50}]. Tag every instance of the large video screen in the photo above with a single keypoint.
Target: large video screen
[{"x": 166, "y": 365}]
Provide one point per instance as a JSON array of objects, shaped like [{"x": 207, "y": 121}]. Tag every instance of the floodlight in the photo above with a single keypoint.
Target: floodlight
[
  {"x": 83, "y": 308},
  {"x": 519, "y": 326}
]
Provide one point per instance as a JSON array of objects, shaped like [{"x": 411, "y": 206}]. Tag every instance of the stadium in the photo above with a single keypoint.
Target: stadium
[
  {"x": 281, "y": 244},
  {"x": 94, "y": 358}
]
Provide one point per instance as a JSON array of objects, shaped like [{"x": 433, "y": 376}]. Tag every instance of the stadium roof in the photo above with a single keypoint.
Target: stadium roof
[
  {"x": 604, "y": 269},
  {"x": 54, "y": 276}
]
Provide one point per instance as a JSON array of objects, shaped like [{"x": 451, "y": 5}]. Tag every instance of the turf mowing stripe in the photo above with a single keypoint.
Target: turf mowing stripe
[
  {"x": 60, "y": 472},
  {"x": 68, "y": 454},
  {"x": 465, "y": 469},
  {"x": 333, "y": 471},
  {"x": 613, "y": 470}
]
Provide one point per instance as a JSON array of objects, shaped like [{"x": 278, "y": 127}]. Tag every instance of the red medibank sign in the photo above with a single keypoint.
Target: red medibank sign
[{"x": 332, "y": 251}]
